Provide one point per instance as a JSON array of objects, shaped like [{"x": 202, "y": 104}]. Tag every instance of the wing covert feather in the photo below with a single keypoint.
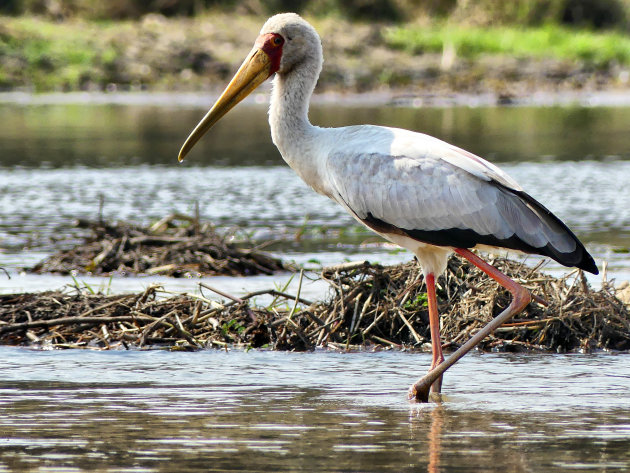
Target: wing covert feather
[{"x": 431, "y": 195}]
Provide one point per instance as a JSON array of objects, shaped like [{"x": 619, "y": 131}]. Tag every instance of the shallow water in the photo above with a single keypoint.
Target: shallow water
[
  {"x": 322, "y": 411},
  {"x": 264, "y": 411},
  {"x": 59, "y": 159}
]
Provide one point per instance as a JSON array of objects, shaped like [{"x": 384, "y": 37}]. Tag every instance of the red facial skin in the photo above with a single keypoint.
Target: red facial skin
[{"x": 271, "y": 44}]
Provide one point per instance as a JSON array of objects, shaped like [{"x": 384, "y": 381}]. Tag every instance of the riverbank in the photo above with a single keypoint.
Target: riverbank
[
  {"x": 160, "y": 54},
  {"x": 420, "y": 98}
]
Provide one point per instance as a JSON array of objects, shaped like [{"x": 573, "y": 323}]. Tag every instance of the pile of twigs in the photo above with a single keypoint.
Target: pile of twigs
[
  {"x": 165, "y": 248},
  {"x": 155, "y": 317},
  {"x": 371, "y": 306},
  {"x": 388, "y": 306}
]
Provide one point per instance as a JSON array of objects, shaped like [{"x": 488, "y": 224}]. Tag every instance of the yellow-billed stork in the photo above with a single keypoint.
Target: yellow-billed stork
[{"x": 415, "y": 190}]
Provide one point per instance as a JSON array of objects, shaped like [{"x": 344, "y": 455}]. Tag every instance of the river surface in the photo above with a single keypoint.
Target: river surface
[
  {"x": 322, "y": 411},
  {"x": 312, "y": 412},
  {"x": 58, "y": 160}
]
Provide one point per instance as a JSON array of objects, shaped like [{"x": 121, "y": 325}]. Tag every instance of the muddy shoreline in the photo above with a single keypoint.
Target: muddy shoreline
[{"x": 401, "y": 98}]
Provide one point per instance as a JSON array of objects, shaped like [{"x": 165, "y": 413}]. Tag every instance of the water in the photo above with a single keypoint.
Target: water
[
  {"x": 58, "y": 159},
  {"x": 265, "y": 411}
]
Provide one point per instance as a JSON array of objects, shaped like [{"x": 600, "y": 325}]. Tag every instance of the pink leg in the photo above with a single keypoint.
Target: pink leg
[
  {"x": 521, "y": 297},
  {"x": 434, "y": 324}
]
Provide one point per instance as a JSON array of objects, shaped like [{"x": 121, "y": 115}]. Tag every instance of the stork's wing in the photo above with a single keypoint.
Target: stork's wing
[{"x": 457, "y": 202}]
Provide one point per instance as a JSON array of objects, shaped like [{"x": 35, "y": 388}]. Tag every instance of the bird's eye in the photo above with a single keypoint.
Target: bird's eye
[{"x": 277, "y": 40}]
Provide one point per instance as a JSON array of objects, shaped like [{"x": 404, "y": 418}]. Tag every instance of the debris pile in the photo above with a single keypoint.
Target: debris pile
[
  {"x": 388, "y": 305},
  {"x": 371, "y": 306},
  {"x": 76, "y": 318},
  {"x": 183, "y": 249}
]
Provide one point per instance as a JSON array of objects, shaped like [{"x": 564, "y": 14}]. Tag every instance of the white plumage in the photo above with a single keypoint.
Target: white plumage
[{"x": 417, "y": 191}]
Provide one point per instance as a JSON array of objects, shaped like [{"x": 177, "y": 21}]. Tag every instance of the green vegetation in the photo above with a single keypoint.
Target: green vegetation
[
  {"x": 43, "y": 55},
  {"x": 46, "y": 56},
  {"x": 420, "y": 301},
  {"x": 232, "y": 325},
  {"x": 551, "y": 41},
  {"x": 369, "y": 44},
  {"x": 590, "y": 13}
]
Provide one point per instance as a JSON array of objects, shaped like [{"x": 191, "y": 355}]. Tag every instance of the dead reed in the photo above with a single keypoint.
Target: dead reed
[
  {"x": 371, "y": 306},
  {"x": 177, "y": 245},
  {"x": 387, "y": 305}
]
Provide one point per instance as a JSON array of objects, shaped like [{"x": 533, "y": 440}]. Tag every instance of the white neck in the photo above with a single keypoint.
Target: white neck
[{"x": 291, "y": 130}]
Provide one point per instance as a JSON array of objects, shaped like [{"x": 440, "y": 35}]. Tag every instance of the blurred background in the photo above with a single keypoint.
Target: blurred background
[
  {"x": 594, "y": 13},
  {"x": 516, "y": 46}
]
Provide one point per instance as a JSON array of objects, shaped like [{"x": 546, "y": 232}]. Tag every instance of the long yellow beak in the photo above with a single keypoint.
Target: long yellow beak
[{"x": 254, "y": 71}]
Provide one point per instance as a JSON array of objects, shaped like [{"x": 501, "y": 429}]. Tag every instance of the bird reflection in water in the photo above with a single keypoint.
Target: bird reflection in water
[
  {"x": 435, "y": 438},
  {"x": 432, "y": 434}
]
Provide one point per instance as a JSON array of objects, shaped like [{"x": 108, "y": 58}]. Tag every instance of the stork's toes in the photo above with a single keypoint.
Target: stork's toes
[{"x": 419, "y": 392}]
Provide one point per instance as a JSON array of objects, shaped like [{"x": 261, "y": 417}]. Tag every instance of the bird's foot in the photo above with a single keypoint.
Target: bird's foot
[
  {"x": 419, "y": 392},
  {"x": 427, "y": 387}
]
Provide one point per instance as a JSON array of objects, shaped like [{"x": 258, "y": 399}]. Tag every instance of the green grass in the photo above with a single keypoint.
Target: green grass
[
  {"x": 44, "y": 55},
  {"x": 552, "y": 41},
  {"x": 421, "y": 301},
  {"x": 48, "y": 56}
]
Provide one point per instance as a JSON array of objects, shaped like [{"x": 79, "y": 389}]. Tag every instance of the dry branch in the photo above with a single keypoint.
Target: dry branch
[
  {"x": 165, "y": 248},
  {"x": 369, "y": 305}
]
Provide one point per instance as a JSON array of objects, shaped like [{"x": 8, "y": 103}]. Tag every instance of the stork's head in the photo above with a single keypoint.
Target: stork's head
[
  {"x": 285, "y": 42},
  {"x": 300, "y": 40}
]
